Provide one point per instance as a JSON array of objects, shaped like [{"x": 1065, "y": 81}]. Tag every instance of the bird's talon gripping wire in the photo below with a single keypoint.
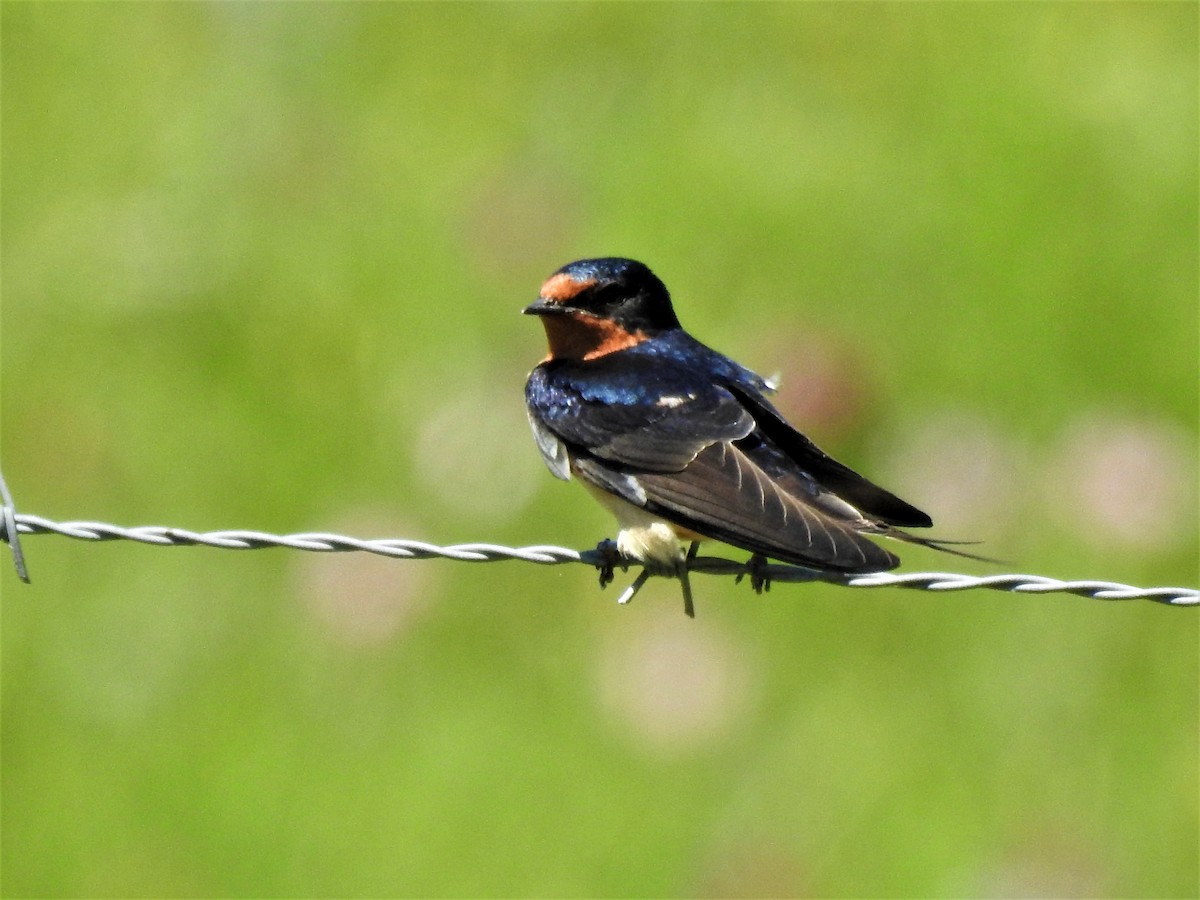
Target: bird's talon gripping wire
[
  {"x": 610, "y": 558},
  {"x": 756, "y": 568}
]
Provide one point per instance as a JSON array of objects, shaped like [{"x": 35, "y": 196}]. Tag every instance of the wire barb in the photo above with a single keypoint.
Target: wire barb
[
  {"x": 11, "y": 532},
  {"x": 601, "y": 558}
]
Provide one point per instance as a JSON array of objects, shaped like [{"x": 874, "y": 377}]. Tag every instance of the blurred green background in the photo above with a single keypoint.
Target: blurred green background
[{"x": 262, "y": 268}]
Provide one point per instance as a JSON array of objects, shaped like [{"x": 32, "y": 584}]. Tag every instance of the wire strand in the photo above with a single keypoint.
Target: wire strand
[{"x": 603, "y": 557}]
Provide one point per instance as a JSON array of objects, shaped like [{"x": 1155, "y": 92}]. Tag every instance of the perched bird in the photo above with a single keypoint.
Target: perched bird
[{"x": 680, "y": 442}]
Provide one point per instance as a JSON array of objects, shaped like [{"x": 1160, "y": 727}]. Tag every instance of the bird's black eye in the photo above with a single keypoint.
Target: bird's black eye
[{"x": 608, "y": 296}]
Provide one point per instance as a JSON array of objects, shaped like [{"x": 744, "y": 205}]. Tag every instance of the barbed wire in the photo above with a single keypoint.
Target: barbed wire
[
  {"x": 9, "y": 523},
  {"x": 603, "y": 557}
]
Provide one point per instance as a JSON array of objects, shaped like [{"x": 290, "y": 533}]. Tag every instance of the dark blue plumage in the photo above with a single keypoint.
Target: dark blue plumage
[{"x": 681, "y": 442}]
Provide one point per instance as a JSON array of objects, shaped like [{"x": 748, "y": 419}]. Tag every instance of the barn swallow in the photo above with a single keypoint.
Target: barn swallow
[{"x": 680, "y": 443}]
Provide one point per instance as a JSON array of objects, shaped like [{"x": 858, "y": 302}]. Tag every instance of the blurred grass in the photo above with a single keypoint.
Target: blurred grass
[{"x": 253, "y": 252}]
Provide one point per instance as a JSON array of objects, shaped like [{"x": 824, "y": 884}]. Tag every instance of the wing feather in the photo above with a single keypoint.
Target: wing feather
[
  {"x": 842, "y": 480},
  {"x": 725, "y": 495}
]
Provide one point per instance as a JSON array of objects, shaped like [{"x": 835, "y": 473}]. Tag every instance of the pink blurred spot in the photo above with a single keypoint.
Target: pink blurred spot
[
  {"x": 823, "y": 384},
  {"x": 672, "y": 683},
  {"x": 1047, "y": 863},
  {"x": 1128, "y": 481},
  {"x": 766, "y": 866},
  {"x": 962, "y": 469},
  {"x": 359, "y": 599}
]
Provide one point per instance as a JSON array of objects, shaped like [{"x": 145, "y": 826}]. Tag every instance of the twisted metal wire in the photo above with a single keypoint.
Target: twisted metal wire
[{"x": 602, "y": 556}]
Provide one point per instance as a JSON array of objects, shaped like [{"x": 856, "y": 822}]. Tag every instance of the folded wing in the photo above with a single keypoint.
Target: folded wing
[
  {"x": 724, "y": 494},
  {"x": 696, "y": 454}
]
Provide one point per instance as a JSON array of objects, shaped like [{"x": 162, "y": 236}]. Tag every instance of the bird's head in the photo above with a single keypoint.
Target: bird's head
[{"x": 592, "y": 307}]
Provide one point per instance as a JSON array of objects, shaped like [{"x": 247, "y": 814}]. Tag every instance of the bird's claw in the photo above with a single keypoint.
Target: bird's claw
[
  {"x": 610, "y": 558},
  {"x": 756, "y": 568}
]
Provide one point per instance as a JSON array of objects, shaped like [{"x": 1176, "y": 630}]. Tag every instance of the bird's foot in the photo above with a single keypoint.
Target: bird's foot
[
  {"x": 756, "y": 568},
  {"x": 650, "y": 568},
  {"x": 610, "y": 558}
]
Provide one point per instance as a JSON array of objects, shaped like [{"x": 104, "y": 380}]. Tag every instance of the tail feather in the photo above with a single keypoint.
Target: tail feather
[{"x": 944, "y": 546}]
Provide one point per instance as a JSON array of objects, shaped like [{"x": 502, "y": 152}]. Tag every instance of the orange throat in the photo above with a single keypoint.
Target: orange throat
[{"x": 582, "y": 336}]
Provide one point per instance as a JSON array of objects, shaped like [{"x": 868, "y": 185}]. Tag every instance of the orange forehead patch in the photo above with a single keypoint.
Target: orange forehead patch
[{"x": 562, "y": 287}]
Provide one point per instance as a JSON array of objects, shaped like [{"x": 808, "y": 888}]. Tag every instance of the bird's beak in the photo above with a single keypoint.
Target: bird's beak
[{"x": 543, "y": 307}]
